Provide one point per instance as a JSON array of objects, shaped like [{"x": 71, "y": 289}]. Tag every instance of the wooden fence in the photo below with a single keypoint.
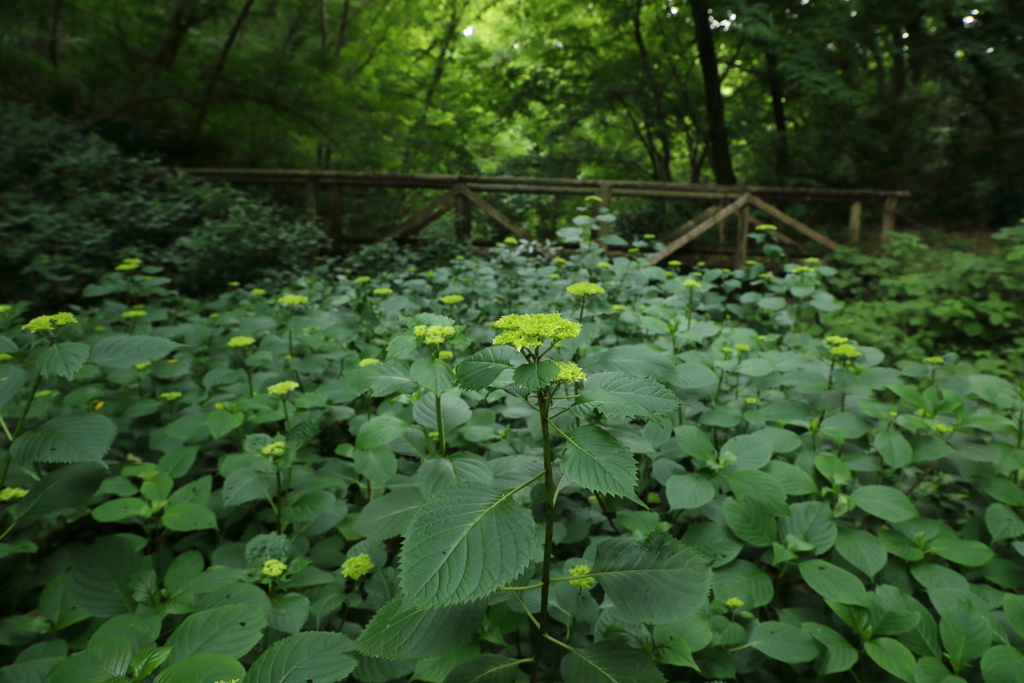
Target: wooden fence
[{"x": 462, "y": 192}]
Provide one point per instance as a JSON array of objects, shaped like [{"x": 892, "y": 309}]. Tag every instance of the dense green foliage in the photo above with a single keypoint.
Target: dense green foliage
[
  {"x": 357, "y": 478},
  {"x": 921, "y": 94}
]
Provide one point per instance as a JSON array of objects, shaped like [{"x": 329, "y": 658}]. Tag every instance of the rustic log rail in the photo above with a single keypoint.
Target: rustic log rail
[{"x": 461, "y": 192}]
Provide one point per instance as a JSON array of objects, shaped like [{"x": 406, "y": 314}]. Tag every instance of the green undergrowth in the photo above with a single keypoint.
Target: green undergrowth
[{"x": 660, "y": 476}]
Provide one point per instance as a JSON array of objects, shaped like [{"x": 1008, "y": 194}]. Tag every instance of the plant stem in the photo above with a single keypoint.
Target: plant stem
[
  {"x": 284, "y": 405},
  {"x": 28, "y": 406},
  {"x": 543, "y": 403},
  {"x": 440, "y": 425},
  {"x": 11, "y": 438}
]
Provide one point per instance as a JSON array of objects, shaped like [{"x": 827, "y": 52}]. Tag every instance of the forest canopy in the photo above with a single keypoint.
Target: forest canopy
[{"x": 923, "y": 95}]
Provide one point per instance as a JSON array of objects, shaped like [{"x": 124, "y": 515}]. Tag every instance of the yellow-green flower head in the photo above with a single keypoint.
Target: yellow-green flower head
[
  {"x": 445, "y": 355},
  {"x": 558, "y": 259},
  {"x": 134, "y": 314},
  {"x": 893, "y": 413},
  {"x": 726, "y": 270},
  {"x": 766, "y": 228},
  {"x": 675, "y": 263},
  {"x": 356, "y": 567},
  {"x": 275, "y": 449},
  {"x": 944, "y": 428},
  {"x": 170, "y": 395},
  {"x": 129, "y": 264},
  {"x": 569, "y": 372},
  {"x": 584, "y": 289},
  {"x": 581, "y": 570},
  {"x": 274, "y": 568},
  {"x": 812, "y": 259},
  {"x": 935, "y": 360},
  {"x": 143, "y": 366},
  {"x": 691, "y": 283},
  {"x": 434, "y": 334},
  {"x": 450, "y": 299},
  {"x": 632, "y": 250},
  {"x": 750, "y": 400},
  {"x": 238, "y": 342},
  {"x": 282, "y": 388},
  {"x": 258, "y": 291},
  {"x": 765, "y": 276},
  {"x": 63, "y": 319},
  {"x": 530, "y": 331},
  {"x": 511, "y": 240},
  {"x": 726, "y": 350},
  {"x": 618, "y": 307},
  {"x": 5, "y": 356},
  {"x": 234, "y": 283},
  {"x": 761, "y": 337},
  {"x": 734, "y": 603},
  {"x": 803, "y": 269},
  {"x": 292, "y": 299},
  {"x": 701, "y": 264},
  {"x": 233, "y": 680},
  {"x": 846, "y": 351},
  {"x": 649, "y": 236},
  {"x": 367, "y": 361},
  {"x": 46, "y": 392},
  {"x": 213, "y": 315},
  {"x": 383, "y": 291},
  {"x": 5, "y": 307},
  {"x": 751, "y": 262},
  {"x": 43, "y": 322},
  {"x": 460, "y": 258},
  {"x": 742, "y": 347},
  {"x": 835, "y": 339},
  {"x": 604, "y": 264},
  {"x": 362, "y": 279},
  {"x": 11, "y": 493},
  {"x": 554, "y": 276}
]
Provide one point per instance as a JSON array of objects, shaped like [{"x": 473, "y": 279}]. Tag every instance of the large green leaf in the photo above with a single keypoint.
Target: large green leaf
[
  {"x": 12, "y": 378},
  {"x": 1003, "y": 522},
  {"x": 839, "y": 654},
  {"x": 390, "y": 514},
  {"x": 609, "y": 662},
  {"x": 833, "y": 583},
  {"x": 76, "y": 437},
  {"x": 743, "y": 580},
  {"x": 884, "y": 502},
  {"x": 751, "y": 521},
  {"x": 463, "y": 543},
  {"x": 896, "y": 451},
  {"x": 98, "y": 583},
  {"x": 694, "y": 442},
  {"x": 485, "y": 669},
  {"x": 126, "y": 351},
  {"x": 479, "y": 370},
  {"x": 783, "y": 642},
  {"x": 433, "y": 373},
  {"x": 189, "y": 517},
  {"x": 534, "y": 376},
  {"x": 693, "y": 376},
  {"x": 67, "y": 487},
  {"x": 99, "y": 663},
  {"x": 594, "y": 459},
  {"x": 454, "y": 410},
  {"x": 379, "y": 431},
  {"x": 62, "y": 360},
  {"x": 966, "y": 634},
  {"x": 687, "y": 491},
  {"x": 231, "y": 630},
  {"x": 760, "y": 486},
  {"x": 1003, "y": 664},
  {"x": 967, "y": 553},
  {"x": 208, "y": 668},
  {"x": 812, "y": 522},
  {"x": 310, "y": 657},
  {"x": 121, "y": 508},
  {"x": 657, "y": 580},
  {"x": 861, "y": 549},
  {"x": 398, "y": 631},
  {"x": 892, "y": 656},
  {"x": 618, "y": 395},
  {"x": 1013, "y": 606}
]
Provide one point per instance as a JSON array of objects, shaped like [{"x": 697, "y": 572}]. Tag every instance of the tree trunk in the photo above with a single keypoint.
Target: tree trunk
[
  {"x": 204, "y": 104},
  {"x": 721, "y": 161},
  {"x": 778, "y": 114}
]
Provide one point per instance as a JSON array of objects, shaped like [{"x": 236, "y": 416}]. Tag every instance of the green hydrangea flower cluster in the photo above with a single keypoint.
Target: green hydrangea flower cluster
[
  {"x": 239, "y": 342},
  {"x": 46, "y": 322},
  {"x": 129, "y": 264},
  {"x": 274, "y": 568},
  {"x": 134, "y": 314},
  {"x": 434, "y": 334},
  {"x": 584, "y": 289},
  {"x": 274, "y": 450},
  {"x": 569, "y": 372},
  {"x": 282, "y": 388},
  {"x": 357, "y": 567},
  {"x": 368, "y": 361},
  {"x": 292, "y": 299},
  {"x": 580, "y": 570},
  {"x": 452, "y": 299},
  {"x": 531, "y": 330},
  {"x": 170, "y": 395},
  {"x": 12, "y": 493}
]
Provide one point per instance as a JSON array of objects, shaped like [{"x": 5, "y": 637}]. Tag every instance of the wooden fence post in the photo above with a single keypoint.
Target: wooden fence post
[
  {"x": 741, "y": 237},
  {"x": 888, "y": 217},
  {"x": 334, "y": 226},
  {"x": 855, "y": 213},
  {"x": 311, "y": 197},
  {"x": 463, "y": 216}
]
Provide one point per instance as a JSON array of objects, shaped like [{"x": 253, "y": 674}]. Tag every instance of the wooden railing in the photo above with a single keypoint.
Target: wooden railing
[{"x": 462, "y": 192}]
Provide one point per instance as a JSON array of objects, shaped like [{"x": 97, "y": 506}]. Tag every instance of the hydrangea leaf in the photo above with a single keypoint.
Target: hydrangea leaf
[
  {"x": 399, "y": 631},
  {"x": 595, "y": 460},
  {"x": 618, "y": 395}
]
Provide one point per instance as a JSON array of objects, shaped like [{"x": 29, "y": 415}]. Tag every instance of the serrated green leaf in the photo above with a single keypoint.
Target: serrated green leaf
[
  {"x": 98, "y": 583},
  {"x": 485, "y": 669},
  {"x": 433, "y": 374},
  {"x": 760, "y": 486},
  {"x": 12, "y": 379},
  {"x": 231, "y": 630},
  {"x": 618, "y": 395},
  {"x": 693, "y": 376},
  {"x": 310, "y": 657},
  {"x": 783, "y": 642},
  {"x": 99, "y": 663},
  {"x": 884, "y": 502},
  {"x": 1003, "y": 522},
  {"x": 695, "y": 443},
  {"x": 479, "y": 370},
  {"x": 595, "y": 460},
  {"x": 1003, "y": 664},
  {"x": 1013, "y": 606},
  {"x": 455, "y": 411},
  {"x": 656, "y": 580},
  {"x": 121, "y": 508},
  {"x": 221, "y": 422},
  {"x": 609, "y": 662},
  {"x": 7, "y": 346},
  {"x": 76, "y": 437},
  {"x": 811, "y": 522},
  {"x": 892, "y": 656},
  {"x": 464, "y": 543},
  {"x": 441, "y": 473},
  {"x": 126, "y": 351},
  {"x": 833, "y": 583},
  {"x": 753, "y": 452},
  {"x": 62, "y": 360},
  {"x": 68, "y": 487},
  {"x": 147, "y": 661},
  {"x": 189, "y": 517},
  {"x": 399, "y": 631},
  {"x": 288, "y": 612},
  {"x": 861, "y": 549},
  {"x": 208, "y": 668},
  {"x": 389, "y": 515},
  {"x": 688, "y": 491},
  {"x": 744, "y": 580},
  {"x": 379, "y": 431},
  {"x": 534, "y": 376}
]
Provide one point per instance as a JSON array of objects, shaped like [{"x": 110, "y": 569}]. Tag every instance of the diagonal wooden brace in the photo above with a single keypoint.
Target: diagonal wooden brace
[{"x": 702, "y": 227}]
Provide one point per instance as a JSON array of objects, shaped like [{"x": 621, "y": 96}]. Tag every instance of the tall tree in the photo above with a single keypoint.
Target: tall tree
[{"x": 718, "y": 134}]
